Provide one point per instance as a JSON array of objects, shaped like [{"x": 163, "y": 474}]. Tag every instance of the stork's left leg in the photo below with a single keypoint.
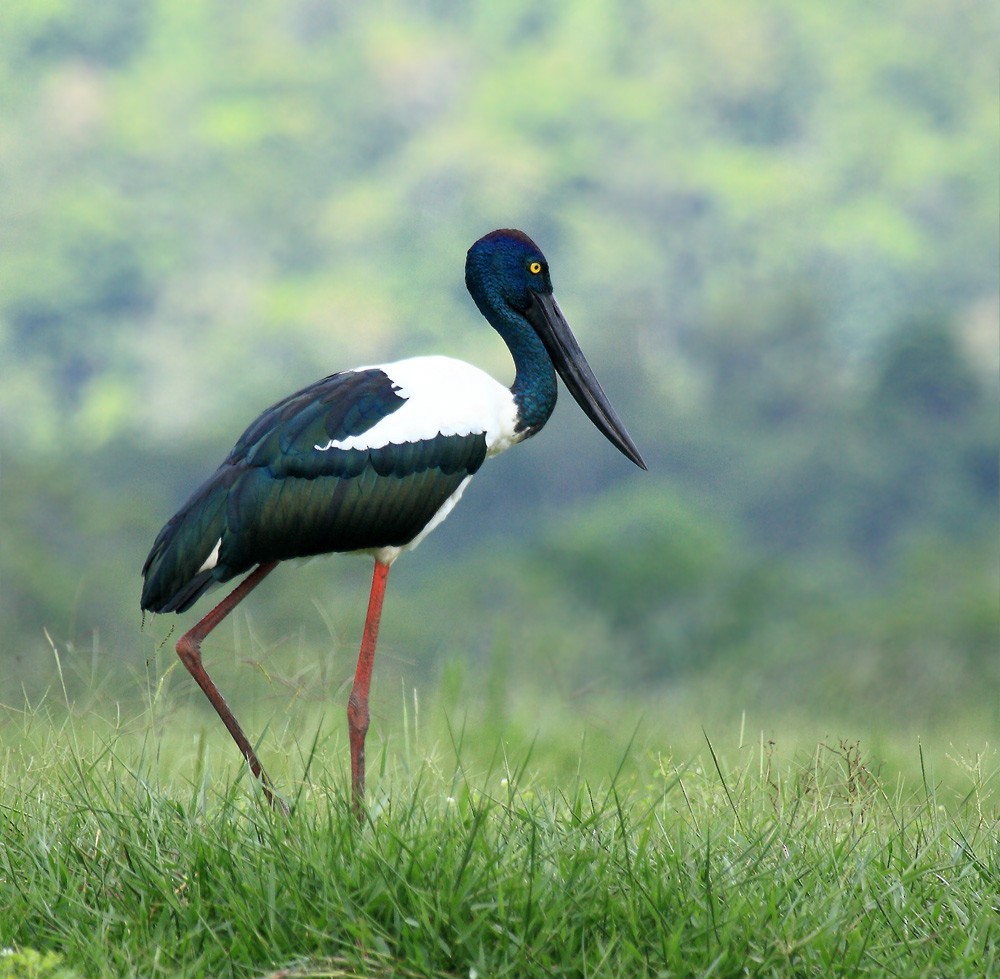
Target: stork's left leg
[
  {"x": 357, "y": 705},
  {"x": 189, "y": 651}
]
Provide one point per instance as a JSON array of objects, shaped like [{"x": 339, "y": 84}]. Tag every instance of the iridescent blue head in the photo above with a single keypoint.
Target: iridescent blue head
[
  {"x": 504, "y": 268},
  {"x": 508, "y": 277}
]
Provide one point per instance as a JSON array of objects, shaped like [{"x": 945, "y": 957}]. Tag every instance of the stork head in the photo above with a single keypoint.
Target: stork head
[
  {"x": 504, "y": 268},
  {"x": 508, "y": 277}
]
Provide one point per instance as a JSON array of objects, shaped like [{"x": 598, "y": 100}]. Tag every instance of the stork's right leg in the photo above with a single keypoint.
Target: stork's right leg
[
  {"x": 357, "y": 704},
  {"x": 189, "y": 650}
]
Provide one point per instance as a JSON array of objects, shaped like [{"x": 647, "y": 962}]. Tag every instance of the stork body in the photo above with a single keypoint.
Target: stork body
[{"x": 371, "y": 460}]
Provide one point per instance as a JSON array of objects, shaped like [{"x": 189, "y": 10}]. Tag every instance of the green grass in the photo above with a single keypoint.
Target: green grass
[{"x": 137, "y": 847}]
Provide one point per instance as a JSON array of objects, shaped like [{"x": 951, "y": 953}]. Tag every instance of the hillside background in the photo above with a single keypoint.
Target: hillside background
[{"x": 774, "y": 228}]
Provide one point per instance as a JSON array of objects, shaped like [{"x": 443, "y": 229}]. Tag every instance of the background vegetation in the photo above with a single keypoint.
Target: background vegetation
[{"x": 774, "y": 228}]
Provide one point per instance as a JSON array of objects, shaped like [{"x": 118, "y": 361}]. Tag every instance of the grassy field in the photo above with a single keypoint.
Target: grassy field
[{"x": 540, "y": 845}]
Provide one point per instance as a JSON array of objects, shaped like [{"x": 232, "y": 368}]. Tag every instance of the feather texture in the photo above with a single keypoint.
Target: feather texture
[{"x": 301, "y": 481}]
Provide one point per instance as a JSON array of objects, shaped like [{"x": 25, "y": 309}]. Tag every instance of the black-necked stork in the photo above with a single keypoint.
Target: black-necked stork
[{"x": 372, "y": 460}]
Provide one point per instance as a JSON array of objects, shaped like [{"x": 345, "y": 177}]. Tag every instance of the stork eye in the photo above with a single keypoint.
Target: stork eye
[{"x": 535, "y": 267}]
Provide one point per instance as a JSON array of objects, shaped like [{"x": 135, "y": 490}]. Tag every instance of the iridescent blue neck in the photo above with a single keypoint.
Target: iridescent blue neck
[{"x": 534, "y": 388}]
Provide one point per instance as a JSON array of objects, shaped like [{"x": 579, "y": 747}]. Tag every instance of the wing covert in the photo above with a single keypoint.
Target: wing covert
[{"x": 333, "y": 409}]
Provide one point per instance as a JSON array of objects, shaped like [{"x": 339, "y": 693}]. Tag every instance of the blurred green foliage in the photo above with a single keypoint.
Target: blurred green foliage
[{"x": 774, "y": 228}]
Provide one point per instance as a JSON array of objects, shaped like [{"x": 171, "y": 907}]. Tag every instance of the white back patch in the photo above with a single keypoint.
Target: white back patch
[{"x": 443, "y": 396}]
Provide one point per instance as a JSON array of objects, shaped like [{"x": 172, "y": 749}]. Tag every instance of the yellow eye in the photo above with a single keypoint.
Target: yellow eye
[{"x": 535, "y": 268}]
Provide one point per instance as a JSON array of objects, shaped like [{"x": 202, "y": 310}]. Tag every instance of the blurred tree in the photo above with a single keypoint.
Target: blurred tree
[
  {"x": 749, "y": 212},
  {"x": 925, "y": 377}
]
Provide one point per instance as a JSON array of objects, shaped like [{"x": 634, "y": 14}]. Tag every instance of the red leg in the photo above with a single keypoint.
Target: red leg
[
  {"x": 357, "y": 705},
  {"x": 189, "y": 650}
]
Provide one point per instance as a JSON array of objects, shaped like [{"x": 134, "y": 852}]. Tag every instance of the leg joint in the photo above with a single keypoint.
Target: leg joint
[
  {"x": 357, "y": 714},
  {"x": 189, "y": 650}
]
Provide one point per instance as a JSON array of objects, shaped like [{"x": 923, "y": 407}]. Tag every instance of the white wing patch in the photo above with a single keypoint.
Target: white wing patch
[
  {"x": 444, "y": 396},
  {"x": 213, "y": 559}
]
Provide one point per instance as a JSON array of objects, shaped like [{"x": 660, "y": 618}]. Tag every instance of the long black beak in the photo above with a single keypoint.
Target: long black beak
[{"x": 546, "y": 317}]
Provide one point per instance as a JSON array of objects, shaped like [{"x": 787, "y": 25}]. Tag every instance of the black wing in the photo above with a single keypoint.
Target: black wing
[{"x": 277, "y": 496}]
